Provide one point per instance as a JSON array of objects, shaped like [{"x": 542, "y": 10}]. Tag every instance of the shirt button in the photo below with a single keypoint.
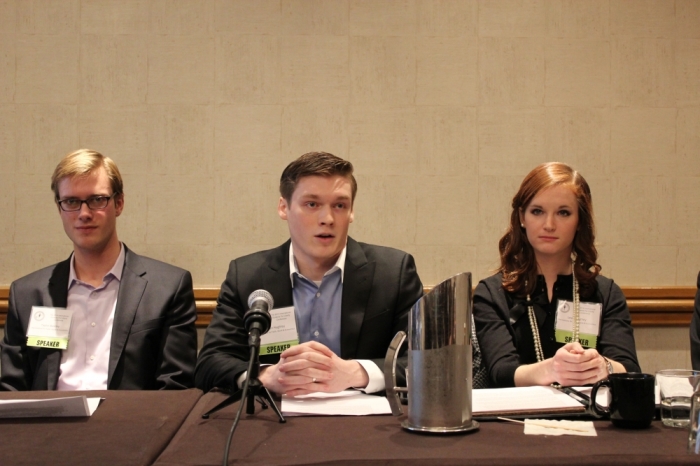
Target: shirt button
[
  {"x": 92, "y": 358},
  {"x": 318, "y": 295},
  {"x": 316, "y": 333},
  {"x": 92, "y": 324}
]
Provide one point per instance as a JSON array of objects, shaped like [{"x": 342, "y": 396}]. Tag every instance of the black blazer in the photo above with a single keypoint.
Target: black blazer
[
  {"x": 154, "y": 339},
  {"x": 380, "y": 285}
]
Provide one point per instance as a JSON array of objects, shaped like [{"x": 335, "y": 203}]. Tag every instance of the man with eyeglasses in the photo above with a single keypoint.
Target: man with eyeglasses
[{"x": 115, "y": 320}]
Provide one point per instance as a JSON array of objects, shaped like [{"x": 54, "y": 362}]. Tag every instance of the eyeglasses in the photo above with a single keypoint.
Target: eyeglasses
[{"x": 93, "y": 203}]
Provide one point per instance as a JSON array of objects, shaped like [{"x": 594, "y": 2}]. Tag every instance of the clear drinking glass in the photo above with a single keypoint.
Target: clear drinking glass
[
  {"x": 676, "y": 388},
  {"x": 693, "y": 438}
]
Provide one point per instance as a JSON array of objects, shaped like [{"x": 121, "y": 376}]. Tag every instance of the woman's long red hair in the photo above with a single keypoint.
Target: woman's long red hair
[{"x": 518, "y": 263}]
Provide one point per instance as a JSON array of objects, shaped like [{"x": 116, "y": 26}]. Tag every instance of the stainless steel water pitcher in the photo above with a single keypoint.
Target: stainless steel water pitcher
[{"x": 439, "y": 371}]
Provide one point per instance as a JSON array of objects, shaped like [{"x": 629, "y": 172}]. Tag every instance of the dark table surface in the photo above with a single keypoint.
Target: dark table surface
[
  {"x": 261, "y": 439},
  {"x": 128, "y": 428}
]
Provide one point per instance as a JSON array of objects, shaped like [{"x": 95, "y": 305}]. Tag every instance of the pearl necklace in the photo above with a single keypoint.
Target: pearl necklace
[{"x": 533, "y": 320}]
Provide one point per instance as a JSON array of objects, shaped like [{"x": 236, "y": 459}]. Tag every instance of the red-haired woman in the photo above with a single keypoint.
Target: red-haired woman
[{"x": 548, "y": 315}]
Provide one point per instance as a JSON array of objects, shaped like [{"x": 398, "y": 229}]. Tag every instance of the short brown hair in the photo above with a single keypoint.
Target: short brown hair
[
  {"x": 82, "y": 163},
  {"x": 315, "y": 164},
  {"x": 518, "y": 263}
]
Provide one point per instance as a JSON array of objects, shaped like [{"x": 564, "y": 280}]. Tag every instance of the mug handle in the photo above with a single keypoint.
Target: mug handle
[
  {"x": 392, "y": 391},
  {"x": 599, "y": 410}
]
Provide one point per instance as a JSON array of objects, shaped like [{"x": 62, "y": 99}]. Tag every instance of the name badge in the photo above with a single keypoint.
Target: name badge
[
  {"x": 49, "y": 327},
  {"x": 589, "y": 323},
  {"x": 282, "y": 334}
]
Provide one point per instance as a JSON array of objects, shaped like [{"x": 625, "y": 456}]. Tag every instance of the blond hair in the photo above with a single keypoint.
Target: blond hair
[{"x": 82, "y": 163}]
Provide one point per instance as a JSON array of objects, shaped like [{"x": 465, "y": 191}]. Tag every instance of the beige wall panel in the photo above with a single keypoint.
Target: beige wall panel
[
  {"x": 641, "y": 264},
  {"x": 247, "y": 140},
  {"x": 7, "y": 67},
  {"x": 182, "y": 16},
  {"x": 642, "y": 18},
  {"x": 449, "y": 18},
  {"x": 246, "y": 211},
  {"x": 315, "y": 17},
  {"x": 642, "y": 206},
  {"x": 447, "y": 210},
  {"x": 589, "y": 19},
  {"x": 385, "y": 208},
  {"x": 662, "y": 348},
  {"x": 383, "y": 70},
  {"x": 641, "y": 138},
  {"x": 114, "y": 16},
  {"x": 37, "y": 220},
  {"x": 132, "y": 226},
  {"x": 47, "y": 69},
  {"x": 688, "y": 19},
  {"x": 686, "y": 209},
  {"x": 177, "y": 212},
  {"x": 315, "y": 69},
  {"x": 579, "y": 137},
  {"x": 511, "y": 71},
  {"x": 48, "y": 16},
  {"x": 8, "y": 257},
  {"x": 495, "y": 198},
  {"x": 224, "y": 253},
  {"x": 577, "y": 73},
  {"x": 32, "y": 257},
  {"x": 316, "y": 127},
  {"x": 642, "y": 72},
  {"x": 8, "y": 16},
  {"x": 7, "y": 210},
  {"x": 383, "y": 140},
  {"x": 383, "y": 17},
  {"x": 688, "y": 264},
  {"x": 193, "y": 257},
  {"x": 487, "y": 261},
  {"x": 446, "y": 141},
  {"x": 248, "y": 16},
  {"x": 181, "y": 69},
  {"x": 446, "y": 71},
  {"x": 121, "y": 133},
  {"x": 113, "y": 69},
  {"x": 44, "y": 134},
  {"x": 247, "y": 69},
  {"x": 9, "y": 134},
  {"x": 687, "y": 55},
  {"x": 181, "y": 139},
  {"x": 688, "y": 143},
  {"x": 512, "y": 18},
  {"x": 437, "y": 263},
  {"x": 511, "y": 141}
]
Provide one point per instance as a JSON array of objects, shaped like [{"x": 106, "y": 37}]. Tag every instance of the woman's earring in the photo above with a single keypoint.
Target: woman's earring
[{"x": 522, "y": 225}]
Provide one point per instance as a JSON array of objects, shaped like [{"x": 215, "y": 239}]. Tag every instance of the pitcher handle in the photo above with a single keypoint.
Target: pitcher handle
[{"x": 392, "y": 391}]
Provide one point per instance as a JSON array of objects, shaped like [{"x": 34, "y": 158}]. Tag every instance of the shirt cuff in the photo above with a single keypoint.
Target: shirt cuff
[{"x": 375, "y": 375}]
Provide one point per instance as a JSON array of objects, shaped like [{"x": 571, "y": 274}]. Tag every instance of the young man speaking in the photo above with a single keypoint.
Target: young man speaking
[{"x": 349, "y": 298}]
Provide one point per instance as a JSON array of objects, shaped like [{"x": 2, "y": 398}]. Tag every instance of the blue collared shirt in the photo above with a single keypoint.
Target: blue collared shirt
[{"x": 317, "y": 305}]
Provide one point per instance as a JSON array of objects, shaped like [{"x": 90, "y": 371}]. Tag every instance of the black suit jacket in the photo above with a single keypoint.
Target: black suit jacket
[
  {"x": 380, "y": 285},
  {"x": 695, "y": 331},
  {"x": 154, "y": 340}
]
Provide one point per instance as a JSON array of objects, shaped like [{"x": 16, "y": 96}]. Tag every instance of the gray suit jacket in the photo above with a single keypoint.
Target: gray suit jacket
[
  {"x": 154, "y": 340},
  {"x": 379, "y": 287}
]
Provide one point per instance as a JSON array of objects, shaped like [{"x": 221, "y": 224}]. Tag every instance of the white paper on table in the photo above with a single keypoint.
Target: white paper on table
[
  {"x": 72, "y": 406},
  {"x": 559, "y": 427},
  {"x": 526, "y": 399},
  {"x": 345, "y": 403}
]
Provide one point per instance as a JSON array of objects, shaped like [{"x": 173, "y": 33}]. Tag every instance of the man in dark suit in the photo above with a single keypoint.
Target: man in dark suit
[
  {"x": 132, "y": 318},
  {"x": 349, "y": 298},
  {"x": 695, "y": 331}
]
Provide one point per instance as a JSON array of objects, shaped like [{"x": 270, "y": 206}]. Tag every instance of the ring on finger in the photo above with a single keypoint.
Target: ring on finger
[{"x": 313, "y": 380}]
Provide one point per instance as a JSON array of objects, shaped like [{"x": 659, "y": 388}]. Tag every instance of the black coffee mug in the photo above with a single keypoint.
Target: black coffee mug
[{"x": 632, "y": 403}]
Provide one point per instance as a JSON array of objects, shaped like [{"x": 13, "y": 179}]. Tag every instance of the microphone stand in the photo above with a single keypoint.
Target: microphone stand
[{"x": 255, "y": 387}]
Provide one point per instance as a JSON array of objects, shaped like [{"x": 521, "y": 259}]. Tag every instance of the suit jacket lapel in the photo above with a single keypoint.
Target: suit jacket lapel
[
  {"x": 276, "y": 278},
  {"x": 58, "y": 292},
  {"x": 357, "y": 284},
  {"x": 131, "y": 288}
]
